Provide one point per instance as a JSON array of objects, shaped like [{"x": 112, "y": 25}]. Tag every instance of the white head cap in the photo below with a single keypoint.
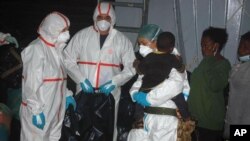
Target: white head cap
[
  {"x": 52, "y": 25},
  {"x": 104, "y": 8}
]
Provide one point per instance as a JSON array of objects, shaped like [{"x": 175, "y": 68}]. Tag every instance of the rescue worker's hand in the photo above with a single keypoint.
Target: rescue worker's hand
[
  {"x": 141, "y": 98},
  {"x": 86, "y": 86},
  {"x": 13, "y": 40},
  {"x": 107, "y": 88},
  {"x": 39, "y": 120},
  {"x": 186, "y": 95},
  {"x": 70, "y": 100}
]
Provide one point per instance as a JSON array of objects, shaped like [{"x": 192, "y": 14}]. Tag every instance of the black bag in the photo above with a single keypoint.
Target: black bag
[
  {"x": 126, "y": 111},
  {"x": 97, "y": 116},
  {"x": 70, "y": 128}
]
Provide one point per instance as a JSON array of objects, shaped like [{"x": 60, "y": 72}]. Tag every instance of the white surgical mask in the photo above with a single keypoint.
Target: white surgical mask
[
  {"x": 63, "y": 37},
  {"x": 103, "y": 25},
  {"x": 145, "y": 50},
  {"x": 244, "y": 58}
]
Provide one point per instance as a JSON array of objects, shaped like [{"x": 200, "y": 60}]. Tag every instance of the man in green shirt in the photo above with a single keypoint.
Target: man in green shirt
[{"x": 208, "y": 81}]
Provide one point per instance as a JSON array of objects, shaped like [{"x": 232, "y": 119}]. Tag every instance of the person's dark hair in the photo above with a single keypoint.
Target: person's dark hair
[
  {"x": 165, "y": 40},
  {"x": 245, "y": 37},
  {"x": 218, "y": 35}
]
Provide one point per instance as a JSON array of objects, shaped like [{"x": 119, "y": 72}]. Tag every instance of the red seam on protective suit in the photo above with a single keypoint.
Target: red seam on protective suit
[
  {"x": 88, "y": 63},
  {"x": 98, "y": 75},
  {"x": 99, "y": 9},
  {"x": 110, "y": 65},
  {"x": 46, "y": 42},
  {"x": 64, "y": 18},
  {"x": 102, "y": 64},
  {"x": 108, "y": 9},
  {"x": 98, "y": 68},
  {"x": 54, "y": 79},
  {"x": 23, "y": 103}
]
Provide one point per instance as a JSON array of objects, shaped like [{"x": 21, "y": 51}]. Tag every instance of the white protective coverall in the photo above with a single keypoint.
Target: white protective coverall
[
  {"x": 44, "y": 82},
  {"x": 160, "y": 127},
  {"x": 86, "y": 59}
]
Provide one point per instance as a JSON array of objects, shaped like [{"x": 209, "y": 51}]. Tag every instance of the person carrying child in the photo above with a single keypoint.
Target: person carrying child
[{"x": 162, "y": 78}]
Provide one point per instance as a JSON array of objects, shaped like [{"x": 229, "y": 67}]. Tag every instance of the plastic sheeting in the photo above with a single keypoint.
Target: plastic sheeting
[
  {"x": 245, "y": 17},
  {"x": 188, "y": 18},
  {"x": 86, "y": 123},
  {"x": 93, "y": 119},
  {"x": 233, "y": 24}
]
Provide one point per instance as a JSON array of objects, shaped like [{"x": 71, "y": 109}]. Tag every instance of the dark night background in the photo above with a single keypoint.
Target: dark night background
[{"x": 21, "y": 19}]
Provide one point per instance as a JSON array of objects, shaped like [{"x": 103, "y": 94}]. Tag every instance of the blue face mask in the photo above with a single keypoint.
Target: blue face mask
[{"x": 244, "y": 58}]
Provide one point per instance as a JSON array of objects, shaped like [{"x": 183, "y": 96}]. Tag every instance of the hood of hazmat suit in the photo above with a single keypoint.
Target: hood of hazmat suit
[
  {"x": 104, "y": 8},
  {"x": 44, "y": 82}
]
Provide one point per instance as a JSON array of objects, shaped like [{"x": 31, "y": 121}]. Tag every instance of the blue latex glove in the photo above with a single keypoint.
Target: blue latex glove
[
  {"x": 11, "y": 39},
  {"x": 86, "y": 86},
  {"x": 137, "y": 96},
  {"x": 107, "y": 88},
  {"x": 70, "y": 100},
  {"x": 39, "y": 120},
  {"x": 141, "y": 98},
  {"x": 185, "y": 96}
]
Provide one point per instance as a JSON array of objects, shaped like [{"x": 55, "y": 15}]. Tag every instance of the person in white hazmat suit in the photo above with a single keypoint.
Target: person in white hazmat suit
[
  {"x": 95, "y": 54},
  {"x": 159, "y": 123},
  {"x": 44, "y": 93}
]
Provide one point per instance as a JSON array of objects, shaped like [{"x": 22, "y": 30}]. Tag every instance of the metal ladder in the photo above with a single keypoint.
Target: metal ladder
[{"x": 144, "y": 7}]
